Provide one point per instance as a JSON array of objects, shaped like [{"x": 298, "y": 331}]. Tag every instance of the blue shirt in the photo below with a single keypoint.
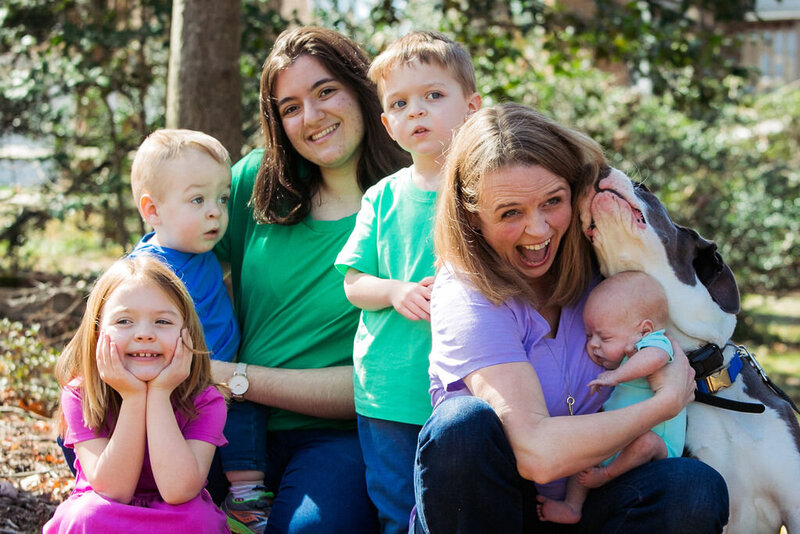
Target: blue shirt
[{"x": 202, "y": 276}]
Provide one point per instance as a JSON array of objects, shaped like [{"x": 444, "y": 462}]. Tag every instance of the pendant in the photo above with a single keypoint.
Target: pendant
[{"x": 570, "y": 402}]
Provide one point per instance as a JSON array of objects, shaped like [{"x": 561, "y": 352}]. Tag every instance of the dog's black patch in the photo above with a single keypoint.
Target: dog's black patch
[
  {"x": 758, "y": 390},
  {"x": 681, "y": 243}
]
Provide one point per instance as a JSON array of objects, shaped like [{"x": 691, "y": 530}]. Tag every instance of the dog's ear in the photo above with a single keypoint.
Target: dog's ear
[{"x": 713, "y": 272}]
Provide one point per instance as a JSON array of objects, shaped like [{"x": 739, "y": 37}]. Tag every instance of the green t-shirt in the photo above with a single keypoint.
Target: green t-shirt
[
  {"x": 393, "y": 239},
  {"x": 287, "y": 296}
]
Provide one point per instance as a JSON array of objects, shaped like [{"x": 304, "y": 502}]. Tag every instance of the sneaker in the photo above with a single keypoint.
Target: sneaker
[{"x": 248, "y": 516}]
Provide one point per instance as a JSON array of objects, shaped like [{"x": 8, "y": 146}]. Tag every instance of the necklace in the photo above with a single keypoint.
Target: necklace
[{"x": 570, "y": 400}]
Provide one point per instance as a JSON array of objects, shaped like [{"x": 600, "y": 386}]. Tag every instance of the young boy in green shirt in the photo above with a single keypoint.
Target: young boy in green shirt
[{"x": 426, "y": 83}]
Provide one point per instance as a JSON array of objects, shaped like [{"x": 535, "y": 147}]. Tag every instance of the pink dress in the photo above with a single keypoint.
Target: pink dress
[{"x": 88, "y": 512}]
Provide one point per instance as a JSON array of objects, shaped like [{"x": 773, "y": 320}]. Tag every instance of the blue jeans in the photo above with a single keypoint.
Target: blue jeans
[
  {"x": 466, "y": 480},
  {"x": 389, "y": 449},
  {"x": 320, "y": 483},
  {"x": 247, "y": 447}
]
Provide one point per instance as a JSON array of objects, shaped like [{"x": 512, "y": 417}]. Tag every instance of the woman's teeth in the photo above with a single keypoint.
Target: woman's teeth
[{"x": 324, "y": 132}]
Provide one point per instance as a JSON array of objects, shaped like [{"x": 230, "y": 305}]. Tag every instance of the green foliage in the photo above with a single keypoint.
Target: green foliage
[
  {"x": 27, "y": 368},
  {"x": 88, "y": 77},
  {"x": 725, "y": 161}
]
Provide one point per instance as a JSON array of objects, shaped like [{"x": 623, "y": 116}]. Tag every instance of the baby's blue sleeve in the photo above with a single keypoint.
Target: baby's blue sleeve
[{"x": 656, "y": 339}]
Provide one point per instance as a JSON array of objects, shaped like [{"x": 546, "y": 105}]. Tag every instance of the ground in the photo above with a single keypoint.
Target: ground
[{"x": 33, "y": 475}]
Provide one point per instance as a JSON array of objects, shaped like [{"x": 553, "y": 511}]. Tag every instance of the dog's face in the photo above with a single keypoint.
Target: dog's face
[{"x": 631, "y": 231}]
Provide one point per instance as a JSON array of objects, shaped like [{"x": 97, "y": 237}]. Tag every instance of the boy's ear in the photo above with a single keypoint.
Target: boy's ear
[
  {"x": 385, "y": 122},
  {"x": 473, "y": 104},
  {"x": 149, "y": 210}
]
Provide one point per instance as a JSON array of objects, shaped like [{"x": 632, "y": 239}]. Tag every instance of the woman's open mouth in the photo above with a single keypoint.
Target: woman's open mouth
[{"x": 534, "y": 255}]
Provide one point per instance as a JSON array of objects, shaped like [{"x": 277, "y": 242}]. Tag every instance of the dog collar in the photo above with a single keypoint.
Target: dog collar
[{"x": 723, "y": 378}]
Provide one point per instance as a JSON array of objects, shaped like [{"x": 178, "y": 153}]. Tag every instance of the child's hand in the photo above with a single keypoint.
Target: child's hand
[
  {"x": 412, "y": 300},
  {"x": 112, "y": 371},
  {"x": 606, "y": 378},
  {"x": 178, "y": 369}
]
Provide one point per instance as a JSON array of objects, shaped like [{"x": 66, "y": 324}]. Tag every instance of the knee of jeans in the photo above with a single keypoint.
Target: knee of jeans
[
  {"x": 461, "y": 425},
  {"x": 702, "y": 491}
]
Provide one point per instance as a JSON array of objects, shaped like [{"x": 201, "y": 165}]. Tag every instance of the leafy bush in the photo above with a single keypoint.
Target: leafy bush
[{"x": 27, "y": 369}]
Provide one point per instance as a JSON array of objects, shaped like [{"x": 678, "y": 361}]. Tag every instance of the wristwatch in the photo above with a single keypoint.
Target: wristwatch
[{"x": 238, "y": 383}]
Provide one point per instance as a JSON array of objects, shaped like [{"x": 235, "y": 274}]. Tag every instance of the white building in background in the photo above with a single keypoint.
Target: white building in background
[{"x": 772, "y": 42}]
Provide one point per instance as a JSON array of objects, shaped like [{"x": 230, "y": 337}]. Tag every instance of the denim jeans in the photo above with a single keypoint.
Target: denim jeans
[
  {"x": 466, "y": 480},
  {"x": 320, "y": 482},
  {"x": 246, "y": 430},
  {"x": 389, "y": 449}
]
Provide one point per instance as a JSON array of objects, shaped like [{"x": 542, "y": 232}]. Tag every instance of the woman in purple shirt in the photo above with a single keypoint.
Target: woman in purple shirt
[{"x": 509, "y": 370}]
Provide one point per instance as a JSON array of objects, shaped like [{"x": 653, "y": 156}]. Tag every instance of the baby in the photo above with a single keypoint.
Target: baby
[
  {"x": 181, "y": 181},
  {"x": 624, "y": 316}
]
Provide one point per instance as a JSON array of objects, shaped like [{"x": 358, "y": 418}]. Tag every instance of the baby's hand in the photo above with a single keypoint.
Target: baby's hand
[
  {"x": 178, "y": 369},
  {"x": 412, "y": 300},
  {"x": 111, "y": 369},
  {"x": 606, "y": 378}
]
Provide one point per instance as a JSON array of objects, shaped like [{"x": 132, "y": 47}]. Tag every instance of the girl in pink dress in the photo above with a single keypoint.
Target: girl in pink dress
[{"x": 139, "y": 408}]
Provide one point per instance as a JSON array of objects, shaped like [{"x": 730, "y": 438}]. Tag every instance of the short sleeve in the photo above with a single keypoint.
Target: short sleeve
[
  {"x": 77, "y": 431},
  {"x": 361, "y": 250},
  {"x": 210, "y": 420},
  {"x": 470, "y": 332},
  {"x": 658, "y": 340}
]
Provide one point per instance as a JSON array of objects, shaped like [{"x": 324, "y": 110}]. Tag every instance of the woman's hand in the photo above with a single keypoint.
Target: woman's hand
[
  {"x": 178, "y": 369},
  {"x": 674, "y": 381},
  {"x": 412, "y": 300},
  {"x": 112, "y": 370}
]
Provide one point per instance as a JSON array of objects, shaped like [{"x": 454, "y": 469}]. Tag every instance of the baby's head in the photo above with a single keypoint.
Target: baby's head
[
  {"x": 181, "y": 181},
  {"x": 426, "y": 84},
  {"x": 619, "y": 312}
]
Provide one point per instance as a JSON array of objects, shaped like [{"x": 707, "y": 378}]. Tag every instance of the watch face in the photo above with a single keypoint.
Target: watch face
[{"x": 238, "y": 384}]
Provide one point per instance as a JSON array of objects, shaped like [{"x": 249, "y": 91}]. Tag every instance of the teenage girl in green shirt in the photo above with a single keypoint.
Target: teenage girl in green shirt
[{"x": 292, "y": 208}]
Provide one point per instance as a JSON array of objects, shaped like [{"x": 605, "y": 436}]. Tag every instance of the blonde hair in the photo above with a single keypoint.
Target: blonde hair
[
  {"x": 165, "y": 145},
  {"x": 427, "y": 48},
  {"x": 501, "y": 136},
  {"x": 100, "y": 402},
  {"x": 635, "y": 295}
]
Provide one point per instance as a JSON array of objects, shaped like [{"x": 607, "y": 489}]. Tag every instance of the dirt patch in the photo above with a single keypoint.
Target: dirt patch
[{"x": 34, "y": 478}]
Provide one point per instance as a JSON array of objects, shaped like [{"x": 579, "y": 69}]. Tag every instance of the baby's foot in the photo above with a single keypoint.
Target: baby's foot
[
  {"x": 594, "y": 477},
  {"x": 556, "y": 511}
]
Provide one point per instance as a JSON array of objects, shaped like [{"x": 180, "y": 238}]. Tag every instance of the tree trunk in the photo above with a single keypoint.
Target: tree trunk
[{"x": 204, "y": 83}]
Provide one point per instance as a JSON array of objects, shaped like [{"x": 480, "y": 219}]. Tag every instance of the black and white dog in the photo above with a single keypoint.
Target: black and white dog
[{"x": 757, "y": 453}]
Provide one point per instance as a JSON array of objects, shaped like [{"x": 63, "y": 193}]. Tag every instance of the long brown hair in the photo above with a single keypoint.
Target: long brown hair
[
  {"x": 100, "y": 402},
  {"x": 286, "y": 181},
  {"x": 501, "y": 136}
]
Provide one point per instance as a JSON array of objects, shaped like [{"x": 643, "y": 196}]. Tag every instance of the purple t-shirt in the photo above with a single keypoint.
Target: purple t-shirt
[{"x": 470, "y": 333}]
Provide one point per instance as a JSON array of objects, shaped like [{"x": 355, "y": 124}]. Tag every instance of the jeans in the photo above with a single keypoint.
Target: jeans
[
  {"x": 320, "y": 482},
  {"x": 466, "y": 480},
  {"x": 247, "y": 425},
  {"x": 389, "y": 449}
]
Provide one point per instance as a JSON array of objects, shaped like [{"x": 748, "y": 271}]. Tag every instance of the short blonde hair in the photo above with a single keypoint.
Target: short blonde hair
[
  {"x": 165, "y": 145},
  {"x": 100, "y": 402},
  {"x": 427, "y": 48},
  {"x": 634, "y": 294},
  {"x": 491, "y": 139}
]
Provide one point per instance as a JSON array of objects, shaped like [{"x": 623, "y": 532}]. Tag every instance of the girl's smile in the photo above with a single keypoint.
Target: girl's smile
[{"x": 144, "y": 325}]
